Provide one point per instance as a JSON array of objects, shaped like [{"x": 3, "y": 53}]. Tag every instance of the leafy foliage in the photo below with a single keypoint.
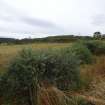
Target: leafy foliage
[
  {"x": 20, "y": 78},
  {"x": 82, "y": 52},
  {"x": 32, "y": 69},
  {"x": 96, "y": 47},
  {"x": 69, "y": 72},
  {"x": 97, "y": 35}
]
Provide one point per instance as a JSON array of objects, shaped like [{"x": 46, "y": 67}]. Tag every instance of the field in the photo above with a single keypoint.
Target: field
[
  {"x": 92, "y": 74},
  {"x": 7, "y": 52}
]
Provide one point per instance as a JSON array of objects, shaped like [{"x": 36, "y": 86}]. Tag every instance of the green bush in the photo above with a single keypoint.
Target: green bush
[
  {"x": 20, "y": 81},
  {"x": 30, "y": 69},
  {"x": 68, "y": 76},
  {"x": 82, "y": 52},
  {"x": 96, "y": 47}
]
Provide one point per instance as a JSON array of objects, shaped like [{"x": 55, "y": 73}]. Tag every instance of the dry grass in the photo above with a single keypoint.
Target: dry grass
[
  {"x": 95, "y": 70},
  {"x": 95, "y": 73},
  {"x": 53, "y": 96},
  {"x": 7, "y": 52},
  {"x": 99, "y": 67}
]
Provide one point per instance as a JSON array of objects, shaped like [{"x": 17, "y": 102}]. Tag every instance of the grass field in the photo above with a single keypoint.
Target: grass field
[
  {"x": 7, "y": 52},
  {"x": 97, "y": 69}
]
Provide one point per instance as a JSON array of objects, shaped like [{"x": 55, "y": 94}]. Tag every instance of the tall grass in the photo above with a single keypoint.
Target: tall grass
[{"x": 95, "y": 73}]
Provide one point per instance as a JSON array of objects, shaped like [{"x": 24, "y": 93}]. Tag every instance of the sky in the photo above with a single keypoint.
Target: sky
[{"x": 41, "y": 18}]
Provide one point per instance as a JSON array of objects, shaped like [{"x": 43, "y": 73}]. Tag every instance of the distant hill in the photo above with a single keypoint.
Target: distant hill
[
  {"x": 7, "y": 40},
  {"x": 66, "y": 38},
  {"x": 58, "y": 39}
]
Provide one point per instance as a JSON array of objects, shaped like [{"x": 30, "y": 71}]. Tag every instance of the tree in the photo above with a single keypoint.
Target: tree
[{"x": 97, "y": 35}]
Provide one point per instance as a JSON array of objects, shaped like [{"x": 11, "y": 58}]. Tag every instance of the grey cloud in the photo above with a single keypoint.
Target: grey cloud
[
  {"x": 47, "y": 26},
  {"x": 18, "y": 15},
  {"x": 37, "y": 22},
  {"x": 14, "y": 15}
]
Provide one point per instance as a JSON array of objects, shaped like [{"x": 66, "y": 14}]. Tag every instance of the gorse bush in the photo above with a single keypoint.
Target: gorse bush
[
  {"x": 32, "y": 69},
  {"x": 68, "y": 76},
  {"x": 19, "y": 83},
  {"x": 96, "y": 47},
  {"x": 82, "y": 52}
]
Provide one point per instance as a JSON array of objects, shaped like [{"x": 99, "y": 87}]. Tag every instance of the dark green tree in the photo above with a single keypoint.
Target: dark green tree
[{"x": 97, "y": 35}]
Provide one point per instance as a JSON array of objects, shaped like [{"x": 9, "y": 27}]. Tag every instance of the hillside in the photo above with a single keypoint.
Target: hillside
[{"x": 51, "y": 39}]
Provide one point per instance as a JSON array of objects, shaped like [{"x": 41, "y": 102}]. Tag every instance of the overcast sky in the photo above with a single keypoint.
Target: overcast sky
[{"x": 39, "y": 18}]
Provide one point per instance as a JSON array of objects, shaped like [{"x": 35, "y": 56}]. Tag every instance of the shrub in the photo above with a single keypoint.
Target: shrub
[
  {"x": 31, "y": 69},
  {"x": 96, "y": 47},
  {"x": 82, "y": 52},
  {"x": 18, "y": 84},
  {"x": 69, "y": 72}
]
